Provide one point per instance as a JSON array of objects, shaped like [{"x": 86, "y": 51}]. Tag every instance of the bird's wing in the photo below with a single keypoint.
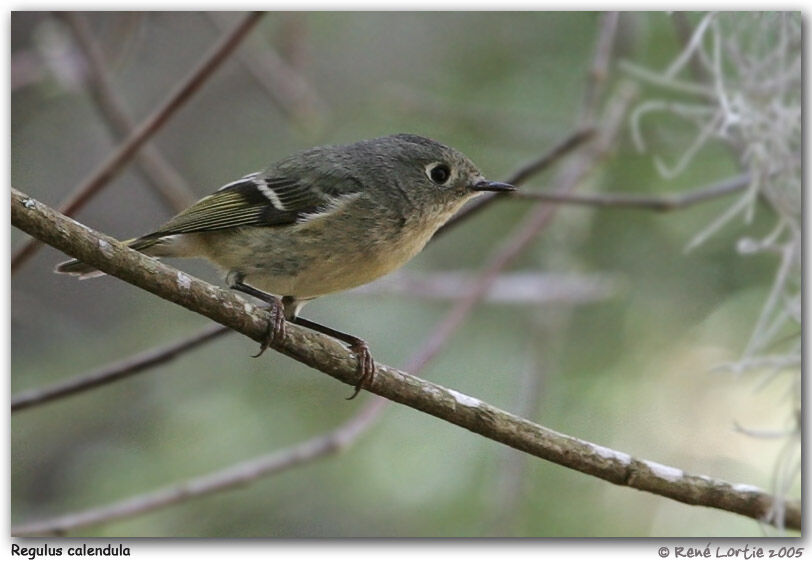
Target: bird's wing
[{"x": 255, "y": 200}]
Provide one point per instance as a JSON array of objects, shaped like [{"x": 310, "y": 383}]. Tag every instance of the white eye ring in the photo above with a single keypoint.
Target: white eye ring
[{"x": 438, "y": 172}]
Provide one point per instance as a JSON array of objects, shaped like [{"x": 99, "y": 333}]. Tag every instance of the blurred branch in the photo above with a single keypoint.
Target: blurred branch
[
  {"x": 661, "y": 203},
  {"x": 284, "y": 84},
  {"x": 158, "y": 172},
  {"x": 127, "y": 150},
  {"x": 231, "y": 477},
  {"x": 509, "y": 288},
  {"x": 545, "y": 333},
  {"x": 114, "y": 372},
  {"x": 329, "y": 356},
  {"x": 599, "y": 73},
  {"x": 572, "y": 142},
  {"x": 686, "y": 33}
]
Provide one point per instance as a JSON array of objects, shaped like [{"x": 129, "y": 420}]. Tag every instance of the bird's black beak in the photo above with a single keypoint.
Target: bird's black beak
[{"x": 498, "y": 186}]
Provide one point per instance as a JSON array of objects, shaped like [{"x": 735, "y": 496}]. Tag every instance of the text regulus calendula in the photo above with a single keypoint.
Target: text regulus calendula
[{"x": 323, "y": 220}]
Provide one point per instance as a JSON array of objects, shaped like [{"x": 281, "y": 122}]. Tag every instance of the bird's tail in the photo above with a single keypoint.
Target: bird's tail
[{"x": 85, "y": 271}]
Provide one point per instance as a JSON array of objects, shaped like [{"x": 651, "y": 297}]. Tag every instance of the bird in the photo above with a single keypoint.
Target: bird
[{"x": 320, "y": 221}]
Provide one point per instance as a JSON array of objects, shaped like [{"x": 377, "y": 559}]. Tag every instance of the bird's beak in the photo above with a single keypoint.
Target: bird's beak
[{"x": 498, "y": 186}]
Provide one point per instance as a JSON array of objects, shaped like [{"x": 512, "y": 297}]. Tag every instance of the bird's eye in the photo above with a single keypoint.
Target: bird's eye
[{"x": 438, "y": 173}]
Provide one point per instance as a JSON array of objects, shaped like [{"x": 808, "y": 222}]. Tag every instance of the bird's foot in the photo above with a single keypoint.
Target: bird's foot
[
  {"x": 276, "y": 326},
  {"x": 366, "y": 366}
]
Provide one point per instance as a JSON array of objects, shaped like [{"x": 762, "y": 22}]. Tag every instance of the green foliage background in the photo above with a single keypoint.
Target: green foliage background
[{"x": 631, "y": 372}]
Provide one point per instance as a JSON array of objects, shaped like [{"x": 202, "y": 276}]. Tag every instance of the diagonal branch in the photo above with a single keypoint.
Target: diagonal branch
[
  {"x": 114, "y": 372},
  {"x": 661, "y": 203},
  {"x": 285, "y": 85},
  {"x": 238, "y": 475},
  {"x": 599, "y": 73},
  {"x": 158, "y": 172},
  {"x": 116, "y": 161},
  {"x": 330, "y": 357}
]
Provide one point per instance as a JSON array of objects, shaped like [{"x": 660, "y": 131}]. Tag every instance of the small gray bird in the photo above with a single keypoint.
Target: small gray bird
[{"x": 320, "y": 221}]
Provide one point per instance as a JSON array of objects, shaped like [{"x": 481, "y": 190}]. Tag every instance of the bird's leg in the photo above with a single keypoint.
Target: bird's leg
[
  {"x": 287, "y": 310},
  {"x": 366, "y": 365},
  {"x": 276, "y": 325}
]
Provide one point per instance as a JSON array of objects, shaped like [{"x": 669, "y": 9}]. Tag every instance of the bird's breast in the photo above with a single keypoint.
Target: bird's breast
[{"x": 326, "y": 255}]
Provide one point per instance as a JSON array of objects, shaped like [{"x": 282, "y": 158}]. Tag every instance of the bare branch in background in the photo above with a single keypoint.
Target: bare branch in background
[
  {"x": 286, "y": 87},
  {"x": 686, "y": 34},
  {"x": 521, "y": 288},
  {"x": 158, "y": 172},
  {"x": 661, "y": 203},
  {"x": 231, "y": 477},
  {"x": 114, "y": 372},
  {"x": 177, "y": 99},
  {"x": 599, "y": 73}
]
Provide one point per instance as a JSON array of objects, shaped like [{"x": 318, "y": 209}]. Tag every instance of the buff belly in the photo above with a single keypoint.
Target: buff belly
[
  {"x": 306, "y": 266},
  {"x": 316, "y": 257}
]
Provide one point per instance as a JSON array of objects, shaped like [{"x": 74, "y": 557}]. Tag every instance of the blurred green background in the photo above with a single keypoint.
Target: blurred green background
[{"x": 630, "y": 370}]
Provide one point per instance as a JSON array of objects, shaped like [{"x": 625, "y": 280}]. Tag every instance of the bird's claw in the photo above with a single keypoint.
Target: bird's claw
[
  {"x": 276, "y": 328},
  {"x": 366, "y": 366}
]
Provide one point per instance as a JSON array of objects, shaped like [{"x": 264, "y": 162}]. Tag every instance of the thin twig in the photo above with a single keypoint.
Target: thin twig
[
  {"x": 513, "y": 469},
  {"x": 523, "y": 288},
  {"x": 285, "y": 85},
  {"x": 114, "y": 372},
  {"x": 231, "y": 477},
  {"x": 158, "y": 172},
  {"x": 689, "y": 36},
  {"x": 656, "y": 79},
  {"x": 661, "y": 203},
  {"x": 330, "y": 357},
  {"x": 115, "y": 163},
  {"x": 598, "y": 74}
]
